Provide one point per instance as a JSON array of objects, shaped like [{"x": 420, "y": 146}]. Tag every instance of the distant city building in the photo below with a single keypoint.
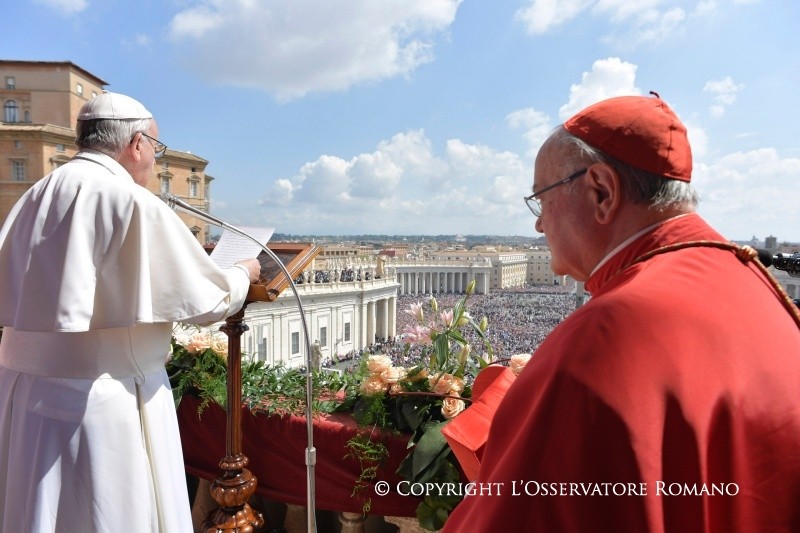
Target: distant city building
[
  {"x": 41, "y": 101},
  {"x": 539, "y": 268},
  {"x": 493, "y": 268},
  {"x": 346, "y": 250}
]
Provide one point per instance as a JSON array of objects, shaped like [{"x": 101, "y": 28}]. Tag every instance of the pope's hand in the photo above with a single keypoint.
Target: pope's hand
[{"x": 253, "y": 268}]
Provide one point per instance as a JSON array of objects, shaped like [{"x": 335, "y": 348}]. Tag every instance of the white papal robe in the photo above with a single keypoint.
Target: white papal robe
[{"x": 93, "y": 271}]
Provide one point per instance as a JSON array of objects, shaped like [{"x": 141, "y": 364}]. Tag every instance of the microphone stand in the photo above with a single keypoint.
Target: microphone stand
[{"x": 311, "y": 453}]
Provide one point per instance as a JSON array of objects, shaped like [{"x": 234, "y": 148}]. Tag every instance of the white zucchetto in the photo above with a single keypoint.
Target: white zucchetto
[{"x": 114, "y": 106}]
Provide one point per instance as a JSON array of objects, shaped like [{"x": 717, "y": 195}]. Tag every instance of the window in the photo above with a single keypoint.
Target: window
[
  {"x": 165, "y": 165},
  {"x": 164, "y": 185},
  {"x": 79, "y": 89},
  {"x": 59, "y": 147},
  {"x": 192, "y": 189},
  {"x": 94, "y": 93},
  {"x": 323, "y": 336},
  {"x": 11, "y": 83},
  {"x": 18, "y": 170},
  {"x": 11, "y": 111},
  {"x": 295, "y": 342},
  {"x": 347, "y": 332}
]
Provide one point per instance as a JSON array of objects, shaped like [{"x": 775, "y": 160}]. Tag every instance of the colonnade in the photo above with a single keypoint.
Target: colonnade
[
  {"x": 378, "y": 320},
  {"x": 440, "y": 281}
]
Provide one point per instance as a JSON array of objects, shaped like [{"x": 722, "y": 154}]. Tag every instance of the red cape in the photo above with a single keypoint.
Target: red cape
[{"x": 669, "y": 402}]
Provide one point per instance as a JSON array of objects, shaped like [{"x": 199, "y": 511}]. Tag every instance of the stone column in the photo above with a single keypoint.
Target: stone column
[
  {"x": 371, "y": 319},
  {"x": 363, "y": 326},
  {"x": 393, "y": 316},
  {"x": 385, "y": 319}
]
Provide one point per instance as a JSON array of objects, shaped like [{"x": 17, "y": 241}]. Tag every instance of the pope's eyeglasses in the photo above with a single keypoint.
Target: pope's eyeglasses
[{"x": 158, "y": 146}]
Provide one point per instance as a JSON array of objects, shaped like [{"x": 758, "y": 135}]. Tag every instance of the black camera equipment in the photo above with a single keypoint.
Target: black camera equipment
[{"x": 789, "y": 263}]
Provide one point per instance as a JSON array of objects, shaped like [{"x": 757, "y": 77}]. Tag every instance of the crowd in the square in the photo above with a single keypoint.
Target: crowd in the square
[{"x": 519, "y": 319}]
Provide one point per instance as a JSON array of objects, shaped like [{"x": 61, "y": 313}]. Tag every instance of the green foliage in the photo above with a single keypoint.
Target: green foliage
[
  {"x": 381, "y": 398},
  {"x": 202, "y": 374},
  {"x": 370, "y": 454},
  {"x": 412, "y": 400},
  {"x": 265, "y": 389}
]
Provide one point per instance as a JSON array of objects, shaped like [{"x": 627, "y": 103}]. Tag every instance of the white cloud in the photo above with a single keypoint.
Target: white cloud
[
  {"x": 293, "y": 48},
  {"x": 746, "y": 193},
  {"x": 724, "y": 94},
  {"x": 540, "y": 16},
  {"x": 641, "y": 22},
  {"x": 698, "y": 138},
  {"x": 608, "y": 77},
  {"x": 706, "y": 7},
  {"x": 632, "y": 22},
  {"x": 466, "y": 189},
  {"x": 67, "y": 7},
  {"x": 140, "y": 40},
  {"x": 143, "y": 40},
  {"x": 537, "y": 126}
]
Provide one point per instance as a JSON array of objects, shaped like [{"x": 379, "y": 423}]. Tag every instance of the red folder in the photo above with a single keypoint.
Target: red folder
[{"x": 467, "y": 433}]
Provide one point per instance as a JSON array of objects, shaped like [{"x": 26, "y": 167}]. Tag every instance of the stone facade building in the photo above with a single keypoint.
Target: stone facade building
[{"x": 41, "y": 101}]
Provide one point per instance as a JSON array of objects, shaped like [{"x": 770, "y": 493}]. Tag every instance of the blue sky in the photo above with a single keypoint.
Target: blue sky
[{"x": 424, "y": 116}]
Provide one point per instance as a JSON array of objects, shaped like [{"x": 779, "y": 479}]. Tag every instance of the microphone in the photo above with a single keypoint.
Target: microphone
[
  {"x": 764, "y": 257},
  {"x": 175, "y": 202},
  {"x": 311, "y": 452}
]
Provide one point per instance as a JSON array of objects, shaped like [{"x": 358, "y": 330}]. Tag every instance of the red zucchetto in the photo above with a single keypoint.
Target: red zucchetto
[{"x": 638, "y": 130}]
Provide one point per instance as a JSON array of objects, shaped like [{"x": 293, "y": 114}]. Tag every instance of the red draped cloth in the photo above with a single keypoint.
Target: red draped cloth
[{"x": 276, "y": 448}]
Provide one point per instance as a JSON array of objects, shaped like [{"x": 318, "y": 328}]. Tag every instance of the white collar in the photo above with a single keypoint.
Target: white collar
[
  {"x": 630, "y": 239},
  {"x": 104, "y": 160}
]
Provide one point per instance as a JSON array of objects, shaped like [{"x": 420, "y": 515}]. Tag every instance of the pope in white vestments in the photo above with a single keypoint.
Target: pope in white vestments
[{"x": 94, "y": 269}]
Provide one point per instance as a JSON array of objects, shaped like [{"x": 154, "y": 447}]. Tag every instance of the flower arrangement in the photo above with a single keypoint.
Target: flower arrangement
[
  {"x": 198, "y": 366},
  {"x": 450, "y": 347},
  {"x": 443, "y": 352}
]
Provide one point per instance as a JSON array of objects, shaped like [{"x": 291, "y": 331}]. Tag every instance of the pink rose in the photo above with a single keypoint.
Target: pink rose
[
  {"x": 458, "y": 385},
  {"x": 518, "y": 362},
  {"x": 378, "y": 363},
  {"x": 219, "y": 343},
  {"x": 393, "y": 374},
  {"x": 374, "y": 385},
  {"x": 452, "y": 406},
  {"x": 198, "y": 343},
  {"x": 444, "y": 383}
]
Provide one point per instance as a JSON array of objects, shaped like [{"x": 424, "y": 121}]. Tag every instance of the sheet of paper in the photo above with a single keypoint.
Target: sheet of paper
[{"x": 233, "y": 247}]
